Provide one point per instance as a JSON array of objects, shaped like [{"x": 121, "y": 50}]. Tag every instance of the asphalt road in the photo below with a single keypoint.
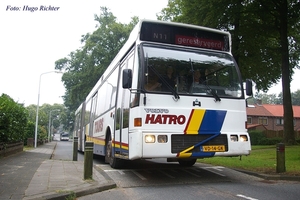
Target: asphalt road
[{"x": 157, "y": 179}]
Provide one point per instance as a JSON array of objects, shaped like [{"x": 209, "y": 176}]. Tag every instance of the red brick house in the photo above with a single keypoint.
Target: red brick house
[{"x": 269, "y": 117}]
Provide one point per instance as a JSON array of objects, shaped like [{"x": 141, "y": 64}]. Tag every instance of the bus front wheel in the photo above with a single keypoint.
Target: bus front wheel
[
  {"x": 187, "y": 162},
  {"x": 109, "y": 156}
]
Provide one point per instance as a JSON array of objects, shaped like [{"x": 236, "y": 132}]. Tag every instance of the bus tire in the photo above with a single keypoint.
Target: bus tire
[
  {"x": 187, "y": 162},
  {"x": 114, "y": 162}
]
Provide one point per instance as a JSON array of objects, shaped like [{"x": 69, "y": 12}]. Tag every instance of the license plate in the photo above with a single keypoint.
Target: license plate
[{"x": 213, "y": 148}]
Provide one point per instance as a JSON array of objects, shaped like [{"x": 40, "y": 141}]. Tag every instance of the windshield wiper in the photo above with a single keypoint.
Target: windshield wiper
[
  {"x": 215, "y": 95},
  {"x": 211, "y": 91},
  {"x": 176, "y": 96}
]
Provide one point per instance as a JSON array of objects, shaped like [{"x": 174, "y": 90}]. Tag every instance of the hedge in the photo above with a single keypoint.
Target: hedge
[{"x": 13, "y": 120}]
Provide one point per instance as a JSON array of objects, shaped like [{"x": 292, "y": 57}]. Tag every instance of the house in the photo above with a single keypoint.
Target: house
[{"x": 269, "y": 117}]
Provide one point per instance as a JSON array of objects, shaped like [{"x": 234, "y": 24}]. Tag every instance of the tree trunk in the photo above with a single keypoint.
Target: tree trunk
[{"x": 289, "y": 135}]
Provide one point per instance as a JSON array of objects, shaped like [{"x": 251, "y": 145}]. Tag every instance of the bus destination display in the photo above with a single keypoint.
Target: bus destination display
[{"x": 184, "y": 36}]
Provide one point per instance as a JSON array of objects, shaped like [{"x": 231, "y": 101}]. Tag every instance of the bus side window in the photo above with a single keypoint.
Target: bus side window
[{"x": 135, "y": 100}]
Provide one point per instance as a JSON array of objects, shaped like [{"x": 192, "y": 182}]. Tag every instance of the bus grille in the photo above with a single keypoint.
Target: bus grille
[{"x": 182, "y": 142}]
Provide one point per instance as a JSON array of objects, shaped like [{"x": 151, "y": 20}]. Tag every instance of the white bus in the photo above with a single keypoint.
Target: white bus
[{"x": 173, "y": 91}]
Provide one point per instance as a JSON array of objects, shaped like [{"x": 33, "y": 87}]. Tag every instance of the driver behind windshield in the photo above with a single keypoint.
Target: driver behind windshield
[{"x": 168, "y": 78}]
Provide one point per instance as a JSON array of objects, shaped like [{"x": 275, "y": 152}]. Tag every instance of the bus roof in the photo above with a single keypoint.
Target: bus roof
[{"x": 184, "y": 35}]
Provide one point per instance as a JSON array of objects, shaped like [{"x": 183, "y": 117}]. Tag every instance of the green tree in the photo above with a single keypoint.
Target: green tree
[
  {"x": 265, "y": 35},
  {"x": 172, "y": 12},
  {"x": 84, "y": 66},
  {"x": 267, "y": 98},
  {"x": 276, "y": 98},
  {"x": 296, "y": 98},
  {"x": 56, "y": 111}
]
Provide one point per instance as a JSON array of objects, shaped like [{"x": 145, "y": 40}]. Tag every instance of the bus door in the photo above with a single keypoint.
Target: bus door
[
  {"x": 78, "y": 128},
  {"x": 122, "y": 118},
  {"x": 93, "y": 114}
]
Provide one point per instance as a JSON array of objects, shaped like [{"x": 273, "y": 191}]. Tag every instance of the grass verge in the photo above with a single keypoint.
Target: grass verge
[
  {"x": 26, "y": 148},
  {"x": 262, "y": 159}
]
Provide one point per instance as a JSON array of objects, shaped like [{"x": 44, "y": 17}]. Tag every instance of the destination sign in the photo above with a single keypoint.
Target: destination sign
[{"x": 185, "y": 36}]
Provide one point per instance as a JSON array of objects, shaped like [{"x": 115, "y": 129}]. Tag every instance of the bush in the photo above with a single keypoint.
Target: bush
[
  {"x": 13, "y": 120},
  {"x": 274, "y": 141},
  {"x": 259, "y": 138},
  {"x": 42, "y": 133},
  {"x": 29, "y": 131}
]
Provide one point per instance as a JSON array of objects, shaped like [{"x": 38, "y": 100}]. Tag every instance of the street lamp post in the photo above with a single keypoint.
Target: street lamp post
[
  {"x": 49, "y": 128},
  {"x": 37, "y": 108}
]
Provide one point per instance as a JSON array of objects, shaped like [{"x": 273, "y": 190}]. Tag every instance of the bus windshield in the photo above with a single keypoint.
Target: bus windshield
[{"x": 189, "y": 72}]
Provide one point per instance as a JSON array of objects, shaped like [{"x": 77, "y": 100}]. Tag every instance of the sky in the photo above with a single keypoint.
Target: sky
[
  {"x": 295, "y": 84},
  {"x": 32, "y": 40}
]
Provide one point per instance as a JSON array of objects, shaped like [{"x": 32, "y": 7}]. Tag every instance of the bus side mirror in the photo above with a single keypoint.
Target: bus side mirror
[
  {"x": 249, "y": 87},
  {"x": 127, "y": 78}
]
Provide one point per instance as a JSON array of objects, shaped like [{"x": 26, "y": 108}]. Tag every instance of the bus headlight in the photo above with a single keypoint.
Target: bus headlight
[
  {"x": 162, "y": 139},
  {"x": 234, "y": 138},
  {"x": 149, "y": 138},
  {"x": 243, "y": 138}
]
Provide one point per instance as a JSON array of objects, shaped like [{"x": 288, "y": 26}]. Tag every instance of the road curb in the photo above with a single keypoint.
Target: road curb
[
  {"x": 76, "y": 192},
  {"x": 52, "y": 154},
  {"x": 282, "y": 177},
  {"x": 79, "y": 192}
]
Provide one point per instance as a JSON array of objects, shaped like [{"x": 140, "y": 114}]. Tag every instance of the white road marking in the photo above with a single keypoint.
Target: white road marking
[
  {"x": 245, "y": 197},
  {"x": 219, "y": 168},
  {"x": 115, "y": 170},
  {"x": 191, "y": 173},
  {"x": 212, "y": 169},
  {"x": 168, "y": 175},
  {"x": 139, "y": 175}
]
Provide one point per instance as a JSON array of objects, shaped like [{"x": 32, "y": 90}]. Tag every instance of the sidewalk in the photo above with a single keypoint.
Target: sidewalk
[{"x": 33, "y": 175}]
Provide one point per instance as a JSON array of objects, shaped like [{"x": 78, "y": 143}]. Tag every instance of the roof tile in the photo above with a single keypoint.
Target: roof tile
[{"x": 270, "y": 110}]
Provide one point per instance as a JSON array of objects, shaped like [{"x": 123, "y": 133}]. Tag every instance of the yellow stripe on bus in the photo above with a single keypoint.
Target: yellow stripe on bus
[
  {"x": 95, "y": 140},
  {"x": 195, "y": 121},
  {"x": 184, "y": 154},
  {"x": 119, "y": 146}
]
